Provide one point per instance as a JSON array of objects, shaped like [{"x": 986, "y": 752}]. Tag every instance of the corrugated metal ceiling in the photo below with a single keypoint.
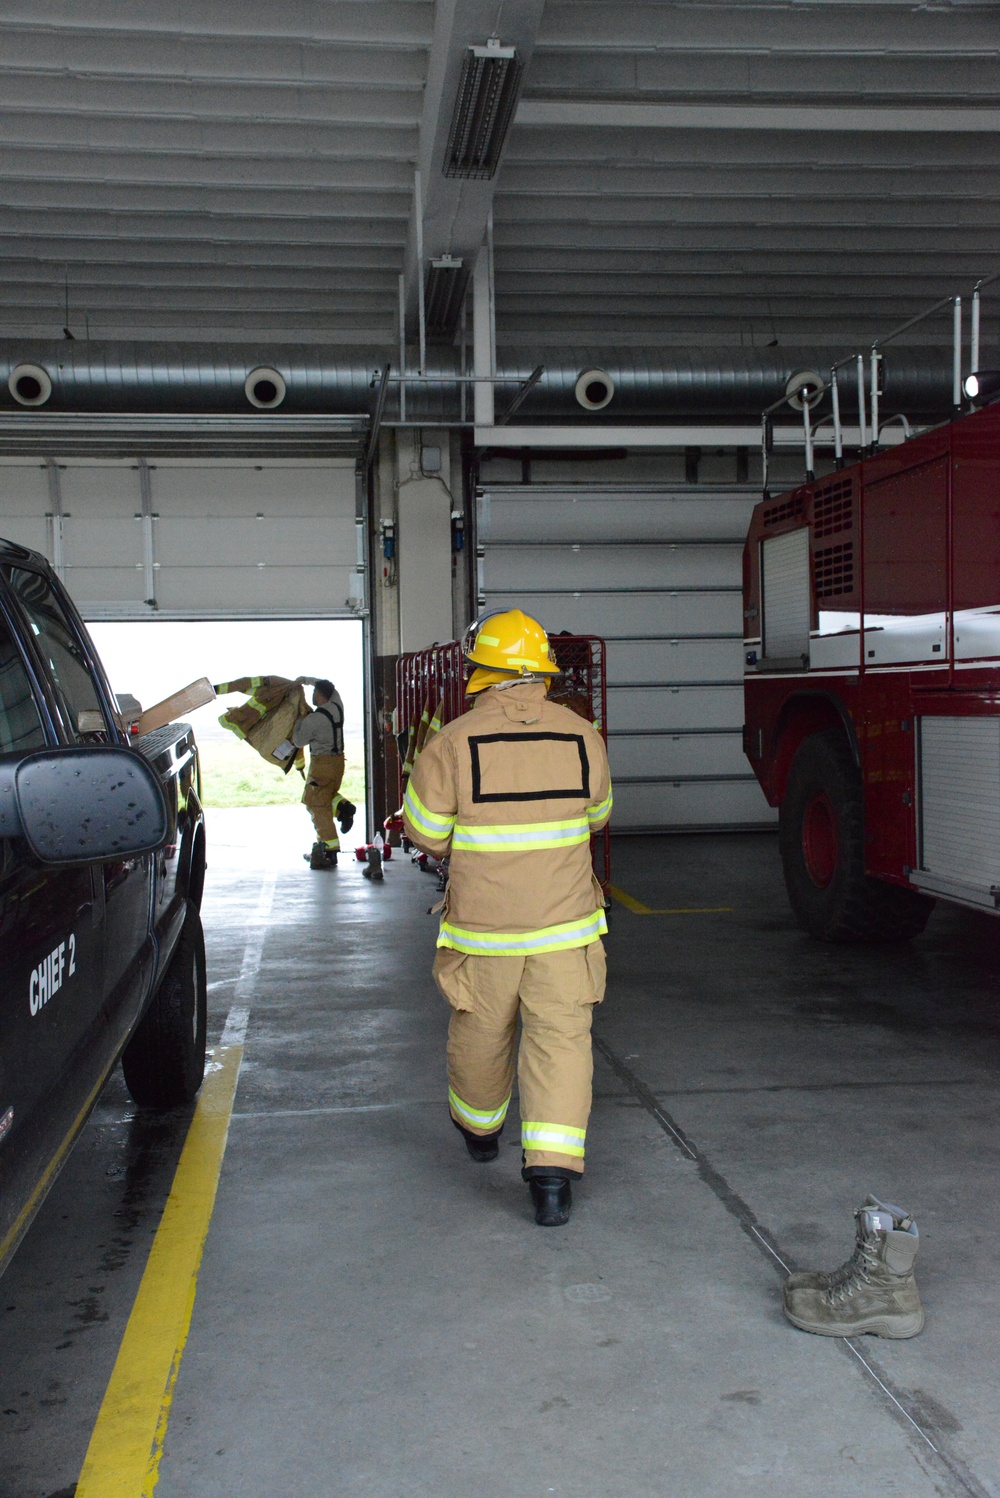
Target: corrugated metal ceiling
[{"x": 678, "y": 175}]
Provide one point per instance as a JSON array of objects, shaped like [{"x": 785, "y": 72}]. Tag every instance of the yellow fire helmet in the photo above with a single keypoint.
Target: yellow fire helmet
[{"x": 505, "y": 645}]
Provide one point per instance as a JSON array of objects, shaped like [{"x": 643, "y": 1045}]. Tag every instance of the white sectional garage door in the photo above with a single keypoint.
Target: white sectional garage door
[
  {"x": 190, "y": 538},
  {"x": 657, "y": 573}
]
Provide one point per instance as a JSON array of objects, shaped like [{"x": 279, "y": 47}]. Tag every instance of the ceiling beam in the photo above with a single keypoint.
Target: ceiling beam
[
  {"x": 455, "y": 210},
  {"x": 870, "y": 121}
]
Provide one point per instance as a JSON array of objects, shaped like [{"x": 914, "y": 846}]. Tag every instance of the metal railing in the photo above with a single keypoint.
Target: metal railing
[{"x": 871, "y": 425}]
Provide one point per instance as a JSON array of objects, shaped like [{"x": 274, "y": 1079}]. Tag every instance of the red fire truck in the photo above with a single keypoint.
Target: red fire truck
[{"x": 872, "y": 682}]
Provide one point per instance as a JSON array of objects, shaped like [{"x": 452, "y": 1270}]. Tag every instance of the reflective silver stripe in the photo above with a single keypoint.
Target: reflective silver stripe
[
  {"x": 476, "y": 1116},
  {"x": 522, "y": 837},
  {"x": 430, "y": 822},
  {"x": 512, "y": 944},
  {"x": 559, "y": 1138},
  {"x": 597, "y": 813}
]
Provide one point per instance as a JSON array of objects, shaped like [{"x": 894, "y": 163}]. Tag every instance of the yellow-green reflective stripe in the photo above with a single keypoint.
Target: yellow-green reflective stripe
[
  {"x": 514, "y": 943},
  {"x": 595, "y": 813},
  {"x": 560, "y": 1138},
  {"x": 487, "y": 640},
  {"x": 482, "y": 1120},
  {"x": 521, "y": 837},
  {"x": 431, "y": 822}
]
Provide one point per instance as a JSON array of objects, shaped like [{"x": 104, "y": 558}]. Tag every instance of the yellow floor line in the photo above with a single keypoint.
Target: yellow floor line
[
  {"x": 637, "y": 907},
  {"x": 123, "y": 1457}
]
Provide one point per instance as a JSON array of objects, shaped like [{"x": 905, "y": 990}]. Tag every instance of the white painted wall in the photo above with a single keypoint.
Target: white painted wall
[{"x": 424, "y": 506}]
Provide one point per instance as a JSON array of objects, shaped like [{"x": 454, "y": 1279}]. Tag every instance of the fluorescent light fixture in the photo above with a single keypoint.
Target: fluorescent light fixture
[
  {"x": 484, "y": 108},
  {"x": 982, "y": 386},
  {"x": 444, "y": 292}
]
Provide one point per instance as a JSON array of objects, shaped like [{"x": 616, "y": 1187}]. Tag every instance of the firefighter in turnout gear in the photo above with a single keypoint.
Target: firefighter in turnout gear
[
  {"x": 323, "y": 731},
  {"x": 511, "y": 792}
]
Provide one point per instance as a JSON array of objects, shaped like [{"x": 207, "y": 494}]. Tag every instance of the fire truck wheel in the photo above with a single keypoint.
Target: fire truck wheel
[
  {"x": 821, "y": 832},
  {"x": 164, "y": 1062}
]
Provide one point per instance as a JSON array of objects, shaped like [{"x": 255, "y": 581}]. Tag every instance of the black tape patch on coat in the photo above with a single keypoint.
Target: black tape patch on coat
[{"x": 502, "y": 776}]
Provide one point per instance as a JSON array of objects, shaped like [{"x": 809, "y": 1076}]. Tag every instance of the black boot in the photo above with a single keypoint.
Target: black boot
[
  {"x": 481, "y": 1147},
  {"x": 321, "y": 857},
  {"x": 553, "y": 1200},
  {"x": 374, "y": 869},
  {"x": 345, "y": 815}
]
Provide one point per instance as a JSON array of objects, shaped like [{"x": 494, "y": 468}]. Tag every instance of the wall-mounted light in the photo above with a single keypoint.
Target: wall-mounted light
[
  {"x": 29, "y": 384},
  {"x": 594, "y": 389},
  {"x": 444, "y": 293},
  {"x": 983, "y": 386},
  {"x": 484, "y": 108},
  {"x": 265, "y": 388}
]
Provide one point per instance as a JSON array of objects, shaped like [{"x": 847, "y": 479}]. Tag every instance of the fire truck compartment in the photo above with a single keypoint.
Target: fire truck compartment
[
  {"x": 977, "y": 634},
  {"x": 897, "y": 639},
  {"x": 959, "y": 808},
  {"x": 786, "y": 597}
]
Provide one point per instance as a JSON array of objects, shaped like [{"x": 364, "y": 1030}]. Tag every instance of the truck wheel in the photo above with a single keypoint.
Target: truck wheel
[
  {"x": 821, "y": 832},
  {"x": 164, "y": 1062}
]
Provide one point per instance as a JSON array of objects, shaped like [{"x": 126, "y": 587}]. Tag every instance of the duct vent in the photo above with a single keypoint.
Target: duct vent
[
  {"x": 594, "y": 389},
  {"x": 833, "y": 570},
  {"x": 793, "y": 508},
  {"x": 265, "y": 389},
  {"x": 484, "y": 108},
  {"x": 804, "y": 388},
  {"x": 833, "y": 508},
  {"x": 29, "y": 384}
]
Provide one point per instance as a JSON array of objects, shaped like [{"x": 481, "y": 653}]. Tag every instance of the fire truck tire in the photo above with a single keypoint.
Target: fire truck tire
[
  {"x": 821, "y": 833},
  {"x": 164, "y": 1062}
]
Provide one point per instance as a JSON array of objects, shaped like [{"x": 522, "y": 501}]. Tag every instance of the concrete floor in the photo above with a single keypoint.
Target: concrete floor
[{"x": 379, "y": 1316}]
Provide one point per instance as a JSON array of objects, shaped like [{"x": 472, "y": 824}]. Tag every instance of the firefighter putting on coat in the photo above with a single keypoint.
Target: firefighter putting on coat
[
  {"x": 323, "y": 731},
  {"x": 511, "y": 792},
  {"x": 277, "y": 723}
]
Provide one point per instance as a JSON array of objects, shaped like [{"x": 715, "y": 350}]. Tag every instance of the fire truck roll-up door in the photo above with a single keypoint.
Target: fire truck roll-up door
[
  {"x": 177, "y": 538},
  {"x": 784, "y": 566},
  {"x": 657, "y": 572},
  {"x": 959, "y": 808}
]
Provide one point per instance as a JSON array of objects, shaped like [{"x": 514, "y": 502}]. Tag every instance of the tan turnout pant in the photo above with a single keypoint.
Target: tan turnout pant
[
  {"x": 326, "y": 771},
  {"x": 554, "y": 994}
]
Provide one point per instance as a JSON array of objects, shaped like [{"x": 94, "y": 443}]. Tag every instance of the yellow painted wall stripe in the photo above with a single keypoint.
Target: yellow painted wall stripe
[
  {"x": 637, "y": 907},
  {"x": 123, "y": 1457}
]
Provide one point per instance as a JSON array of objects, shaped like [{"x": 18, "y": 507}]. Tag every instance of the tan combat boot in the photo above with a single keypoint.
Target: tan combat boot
[{"x": 875, "y": 1291}]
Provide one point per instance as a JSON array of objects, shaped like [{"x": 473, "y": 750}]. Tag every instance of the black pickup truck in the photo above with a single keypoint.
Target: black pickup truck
[{"x": 102, "y": 866}]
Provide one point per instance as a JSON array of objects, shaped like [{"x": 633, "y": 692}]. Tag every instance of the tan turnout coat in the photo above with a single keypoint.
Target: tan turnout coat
[{"x": 512, "y": 791}]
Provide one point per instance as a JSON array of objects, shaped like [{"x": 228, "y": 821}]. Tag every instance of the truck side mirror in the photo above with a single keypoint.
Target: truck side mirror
[{"x": 83, "y": 805}]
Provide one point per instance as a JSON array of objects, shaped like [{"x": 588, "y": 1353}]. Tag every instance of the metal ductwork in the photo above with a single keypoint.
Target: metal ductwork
[
  {"x": 200, "y": 379},
  {"x": 717, "y": 384},
  {"x": 707, "y": 385}
]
